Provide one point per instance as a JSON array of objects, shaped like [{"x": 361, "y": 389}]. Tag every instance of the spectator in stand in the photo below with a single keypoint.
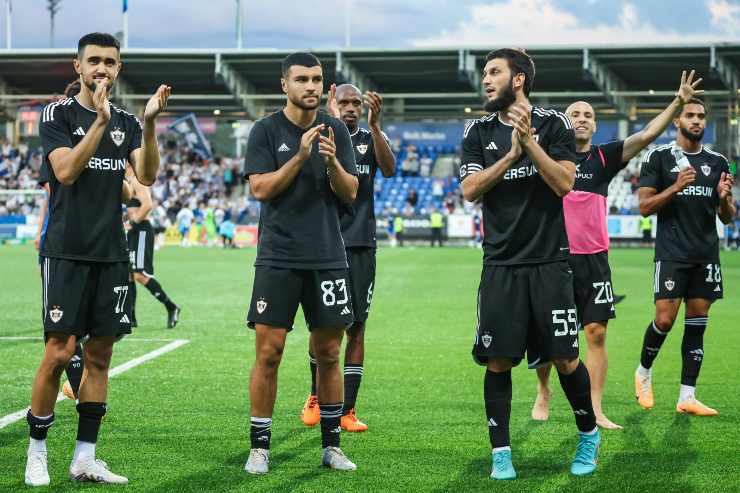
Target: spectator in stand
[
  {"x": 412, "y": 197},
  {"x": 425, "y": 166},
  {"x": 438, "y": 189}
]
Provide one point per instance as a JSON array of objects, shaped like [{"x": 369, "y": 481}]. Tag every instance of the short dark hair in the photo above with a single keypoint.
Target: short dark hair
[
  {"x": 97, "y": 39},
  {"x": 302, "y": 58},
  {"x": 519, "y": 63},
  {"x": 695, "y": 100}
]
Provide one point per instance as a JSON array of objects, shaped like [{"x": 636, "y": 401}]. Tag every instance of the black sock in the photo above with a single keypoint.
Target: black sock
[
  {"x": 74, "y": 370},
  {"x": 312, "y": 364},
  {"x": 651, "y": 344},
  {"x": 39, "y": 427},
  {"x": 577, "y": 388},
  {"x": 330, "y": 429},
  {"x": 260, "y": 432},
  {"x": 352, "y": 380},
  {"x": 497, "y": 396},
  {"x": 132, "y": 294},
  {"x": 91, "y": 414},
  {"x": 692, "y": 349},
  {"x": 157, "y": 291}
]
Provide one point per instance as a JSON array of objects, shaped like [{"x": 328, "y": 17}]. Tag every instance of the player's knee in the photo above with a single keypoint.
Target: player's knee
[
  {"x": 566, "y": 366},
  {"x": 327, "y": 354},
  {"x": 664, "y": 321},
  {"x": 59, "y": 352},
  {"x": 269, "y": 356},
  {"x": 356, "y": 333},
  {"x": 500, "y": 365},
  {"x": 98, "y": 359},
  {"x": 140, "y": 278},
  {"x": 596, "y": 335}
]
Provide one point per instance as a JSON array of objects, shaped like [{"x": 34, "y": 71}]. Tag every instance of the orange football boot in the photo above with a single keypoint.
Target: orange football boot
[
  {"x": 351, "y": 424},
  {"x": 310, "y": 415}
]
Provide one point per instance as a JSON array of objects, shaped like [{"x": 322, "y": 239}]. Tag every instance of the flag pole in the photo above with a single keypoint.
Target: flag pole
[{"x": 125, "y": 23}]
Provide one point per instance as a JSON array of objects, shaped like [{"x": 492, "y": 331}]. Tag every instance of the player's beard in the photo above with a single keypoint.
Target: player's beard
[
  {"x": 302, "y": 104},
  {"x": 505, "y": 99},
  {"x": 92, "y": 85},
  {"x": 692, "y": 136}
]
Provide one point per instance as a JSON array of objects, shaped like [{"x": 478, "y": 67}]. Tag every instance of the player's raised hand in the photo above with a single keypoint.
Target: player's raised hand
[
  {"x": 332, "y": 107},
  {"x": 686, "y": 177},
  {"x": 100, "y": 100},
  {"x": 724, "y": 188},
  {"x": 157, "y": 103},
  {"x": 374, "y": 102},
  {"x": 327, "y": 146},
  {"x": 687, "y": 89},
  {"x": 521, "y": 119},
  {"x": 307, "y": 140}
]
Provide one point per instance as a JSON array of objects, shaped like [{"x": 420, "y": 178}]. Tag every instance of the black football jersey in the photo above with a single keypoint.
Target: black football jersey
[
  {"x": 687, "y": 225},
  {"x": 85, "y": 217},
  {"x": 596, "y": 168},
  {"x": 522, "y": 216},
  {"x": 300, "y": 228},
  {"x": 358, "y": 223}
]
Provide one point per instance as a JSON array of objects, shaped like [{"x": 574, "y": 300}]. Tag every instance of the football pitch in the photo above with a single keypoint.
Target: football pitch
[{"x": 179, "y": 421}]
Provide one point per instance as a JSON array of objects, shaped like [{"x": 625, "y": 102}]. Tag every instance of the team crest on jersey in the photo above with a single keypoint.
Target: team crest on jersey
[
  {"x": 486, "y": 339},
  {"x": 706, "y": 169},
  {"x": 669, "y": 284},
  {"x": 261, "y": 305},
  {"x": 55, "y": 314},
  {"x": 361, "y": 148},
  {"x": 118, "y": 136}
]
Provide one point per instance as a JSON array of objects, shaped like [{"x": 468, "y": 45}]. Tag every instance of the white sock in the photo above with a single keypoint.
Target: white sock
[
  {"x": 644, "y": 372},
  {"x": 687, "y": 392},
  {"x": 37, "y": 445},
  {"x": 592, "y": 432},
  {"x": 499, "y": 449},
  {"x": 84, "y": 450}
]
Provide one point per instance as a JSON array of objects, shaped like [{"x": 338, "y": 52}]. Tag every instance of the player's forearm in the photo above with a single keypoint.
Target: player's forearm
[
  {"x": 727, "y": 210},
  {"x": 478, "y": 184},
  {"x": 638, "y": 141},
  {"x": 42, "y": 217},
  {"x": 651, "y": 202},
  {"x": 70, "y": 165},
  {"x": 558, "y": 176},
  {"x": 147, "y": 169},
  {"x": 344, "y": 184},
  {"x": 386, "y": 159},
  {"x": 266, "y": 186},
  {"x": 126, "y": 192}
]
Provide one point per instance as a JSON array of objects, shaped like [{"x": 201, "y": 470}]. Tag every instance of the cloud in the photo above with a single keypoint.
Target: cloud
[
  {"x": 725, "y": 16},
  {"x": 542, "y": 22}
]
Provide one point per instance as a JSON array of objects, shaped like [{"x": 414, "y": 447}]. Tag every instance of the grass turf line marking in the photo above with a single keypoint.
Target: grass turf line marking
[
  {"x": 18, "y": 415},
  {"x": 125, "y": 339}
]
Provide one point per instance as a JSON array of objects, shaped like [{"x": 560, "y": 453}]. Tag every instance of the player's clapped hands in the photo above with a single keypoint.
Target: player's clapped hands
[
  {"x": 100, "y": 100},
  {"x": 516, "y": 147},
  {"x": 686, "y": 177},
  {"x": 374, "y": 102},
  {"x": 332, "y": 106},
  {"x": 327, "y": 147},
  {"x": 687, "y": 89},
  {"x": 521, "y": 119},
  {"x": 157, "y": 103},
  {"x": 307, "y": 140}
]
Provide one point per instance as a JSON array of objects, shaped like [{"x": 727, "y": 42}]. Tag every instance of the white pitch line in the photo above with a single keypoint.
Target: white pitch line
[
  {"x": 125, "y": 339},
  {"x": 18, "y": 415}
]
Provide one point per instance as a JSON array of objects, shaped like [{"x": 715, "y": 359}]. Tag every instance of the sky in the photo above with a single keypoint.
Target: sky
[{"x": 288, "y": 24}]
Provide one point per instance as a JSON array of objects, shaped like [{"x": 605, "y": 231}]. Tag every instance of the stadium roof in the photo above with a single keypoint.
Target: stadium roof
[{"x": 416, "y": 83}]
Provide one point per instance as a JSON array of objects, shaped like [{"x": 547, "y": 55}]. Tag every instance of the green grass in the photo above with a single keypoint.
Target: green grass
[{"x": 180, "y": 422}]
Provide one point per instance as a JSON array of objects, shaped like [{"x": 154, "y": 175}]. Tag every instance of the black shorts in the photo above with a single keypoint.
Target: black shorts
[
  {"x": 323, "y": 294},
  {"x": 687, "y": 280},
  {"x": 526, "y": 307},
  {"x": 86, "y": 298},
  {"x": 361, "y": 280},
  {"x": 141, "y": 247},
  {"x": 592, "y": 286}
]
